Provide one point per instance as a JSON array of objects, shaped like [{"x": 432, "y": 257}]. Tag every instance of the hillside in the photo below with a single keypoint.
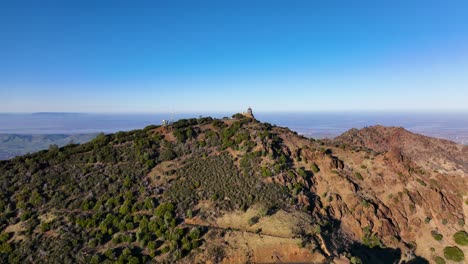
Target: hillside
[
  {"x": 234, "y": 191},
  {"x": 427, "y": 152}
]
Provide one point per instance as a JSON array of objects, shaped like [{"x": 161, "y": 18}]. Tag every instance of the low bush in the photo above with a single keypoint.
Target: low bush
[
  {"x": 437, "y": 236},
  {"x": 314, "y": 168},
  {"x": 461, "y": 238},
  {"x": 454, "y": 253},
  {"x": 439, "y": 260},
  {"x": 358, "y": 176},
  {"x": 421, "y": 182}
]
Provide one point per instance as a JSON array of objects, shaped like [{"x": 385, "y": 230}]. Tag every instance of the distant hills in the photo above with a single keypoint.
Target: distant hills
[
  {"x": 57, "y": 113},
  {"x": 206, "y": 190},
  {"x": 12, "y": 145}
]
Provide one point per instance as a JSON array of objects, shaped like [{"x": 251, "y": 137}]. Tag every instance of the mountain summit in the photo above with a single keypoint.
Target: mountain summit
[{"x": 235, "y": 191}]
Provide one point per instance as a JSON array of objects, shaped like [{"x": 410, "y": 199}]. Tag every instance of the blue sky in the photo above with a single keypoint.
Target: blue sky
[{"x": 153, "y": 56}]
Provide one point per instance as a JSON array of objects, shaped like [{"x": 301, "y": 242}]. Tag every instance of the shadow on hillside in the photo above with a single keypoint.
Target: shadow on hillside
[
  {"x": 376, "y": 254},
  {"x": 417, "y": 260},
  {"x": 382, "y": 255},
  {"x": 373, "y": 255}
]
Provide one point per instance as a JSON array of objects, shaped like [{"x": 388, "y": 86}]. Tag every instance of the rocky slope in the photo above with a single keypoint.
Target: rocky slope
[
  {"x": 429, "y": 153},
  {"x": 234, "y": 191}
]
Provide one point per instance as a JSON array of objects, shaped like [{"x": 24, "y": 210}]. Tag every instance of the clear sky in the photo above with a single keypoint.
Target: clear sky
[{"x": 152, "y": 56}]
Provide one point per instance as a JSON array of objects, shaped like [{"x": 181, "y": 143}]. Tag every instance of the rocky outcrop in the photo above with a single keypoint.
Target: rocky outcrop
[
  {"x": 427, "y": 152},
  {"x": 386, "y": 186}
]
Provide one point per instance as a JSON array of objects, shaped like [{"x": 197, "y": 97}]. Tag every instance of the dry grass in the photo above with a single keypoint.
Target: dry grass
[
  {"x": 47, "y": 218},
  {"x": 280, "y": 224},
  {"x": 247, "y": 247},
  {"x": 16, "y": 229}
]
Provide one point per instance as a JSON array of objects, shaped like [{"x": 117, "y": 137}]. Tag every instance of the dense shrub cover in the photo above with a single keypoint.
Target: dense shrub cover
[
  {"x": 218, "y": 179},
  {"x": 72, "y": 203},
  {"x": 94, "y": 202}
]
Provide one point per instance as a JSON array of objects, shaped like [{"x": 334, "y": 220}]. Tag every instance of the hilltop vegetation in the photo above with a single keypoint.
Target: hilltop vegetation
[{"x": 158, "y": 194}]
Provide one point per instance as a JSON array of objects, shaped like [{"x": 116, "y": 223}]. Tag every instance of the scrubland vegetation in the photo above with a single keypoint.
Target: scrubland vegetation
[{"x": 94, "y": 203}]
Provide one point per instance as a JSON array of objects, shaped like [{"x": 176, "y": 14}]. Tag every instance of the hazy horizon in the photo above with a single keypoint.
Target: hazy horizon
[{"x": 447, "y": 125}]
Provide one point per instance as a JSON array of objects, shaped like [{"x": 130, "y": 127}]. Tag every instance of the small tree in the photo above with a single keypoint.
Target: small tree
[
  {"x": 314, "y": 168},
  {"x": 453, "y": 253},
  {"x": 461, "y": 238}
]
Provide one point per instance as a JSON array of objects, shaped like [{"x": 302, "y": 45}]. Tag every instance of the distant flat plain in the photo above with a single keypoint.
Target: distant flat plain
[{"x": 21, "y": 133}]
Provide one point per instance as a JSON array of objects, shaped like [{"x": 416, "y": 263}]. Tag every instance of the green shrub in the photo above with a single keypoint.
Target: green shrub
[
  {"x": 194, "y": 234},
  {"x": 165, "y": 249},
  {"x": 358, "y": 176},
  {"x": 152, "y": 245},
  {"x": 365, "y": 203},
  {"x": 92, "y": 243},
  {"x": 439, "y": 260},
  {"x": 4, "y": 237},
  {"x": 266, "y": 172},
  {"x": 95, "y": 259},
  {"x": 5, "y": 248},
  {"x": 370, "y": 239},
  {"x": 317, "y": 229},
  {"x": 302, "y": 173},
  {"x": 461, "y": 238},
  {"x": 314, "y": 168},
  {"x": 167, "y": 154},
  {"x": 45, "y": 227},
  {"x": 355, "y": 260},
  {"x": 436, "y": 235},
  {"x": 421, "y": 182},
  {"x": 218, "y": 123},
  {"x": 25, "y": 216},
  {"x": 189, "y": 213},
  {"x": 453, "y": 253}
]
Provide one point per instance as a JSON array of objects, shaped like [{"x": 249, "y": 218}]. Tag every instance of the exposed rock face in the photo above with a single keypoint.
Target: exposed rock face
[
  {"x": 427, "y": 152},
  {"x": 411, "y": 185},
  {"x": 391, "y": 185}
]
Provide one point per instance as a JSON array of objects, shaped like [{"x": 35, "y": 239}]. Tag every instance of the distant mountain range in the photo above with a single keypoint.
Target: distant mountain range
[
  {"x": 57, "y": 113},
  {"x": 12, "y": 145}
]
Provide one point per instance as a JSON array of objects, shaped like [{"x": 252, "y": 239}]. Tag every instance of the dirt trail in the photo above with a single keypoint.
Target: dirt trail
[{"x": 233, "y": 230}]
